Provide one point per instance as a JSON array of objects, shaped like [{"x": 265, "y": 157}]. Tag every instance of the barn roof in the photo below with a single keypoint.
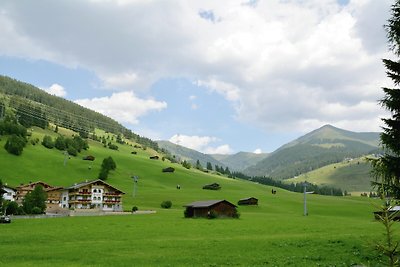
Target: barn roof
[
  {"x": 75, "y": 186},
  {"x": 206, "y": 203},
  {"x": 248, "y": 198}
]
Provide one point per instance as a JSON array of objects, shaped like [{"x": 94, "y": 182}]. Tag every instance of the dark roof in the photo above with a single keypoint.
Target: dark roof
[
  {"x": 75, "y": 186},
  {"x": 248, "y": 198},
  {"x": 206, "y": 203}
]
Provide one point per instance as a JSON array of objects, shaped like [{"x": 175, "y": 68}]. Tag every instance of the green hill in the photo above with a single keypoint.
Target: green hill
[
  {"x": 319, "y": 148},
  {"x": 35, "y": 107},
  {"x": 351, "y": 175},
  {"x": 188, "y": 154}
]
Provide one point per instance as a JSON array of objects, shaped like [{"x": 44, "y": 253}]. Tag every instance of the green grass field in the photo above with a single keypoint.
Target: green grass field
[
  {"x": 352, "y": 176},
  {"x": 339, "y": 231}
]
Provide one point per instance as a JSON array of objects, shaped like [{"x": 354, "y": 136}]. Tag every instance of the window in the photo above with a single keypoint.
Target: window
[{"x": 95, "y": 190}]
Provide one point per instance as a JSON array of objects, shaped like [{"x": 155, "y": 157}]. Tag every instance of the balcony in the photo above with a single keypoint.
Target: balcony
[{"x": 111, "y": 194}]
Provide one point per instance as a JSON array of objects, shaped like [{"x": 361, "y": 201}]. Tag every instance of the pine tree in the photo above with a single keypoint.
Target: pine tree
[{"x": 386, "y": 169}]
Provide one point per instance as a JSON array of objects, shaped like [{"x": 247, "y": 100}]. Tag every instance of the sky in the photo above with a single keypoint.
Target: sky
[{"x": 215, "y": 76}]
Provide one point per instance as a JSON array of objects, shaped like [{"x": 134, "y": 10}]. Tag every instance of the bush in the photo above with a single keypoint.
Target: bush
[
  {"x": 112, "y": 146},
  {"x": 12, "y": 208},
  {"x": 236, "y": 215},
  {"x": 166, "y": 204},
  {"x": 48, "y": 142},
  {"x": 72, "y": 151},
  {"x": 36, "y": 210},
  {"x": 15, "y": 144},
  {"x": 60, "y": 143},
  {"x": 134, "y": 208},
  {"x": 212, "y": 215}
]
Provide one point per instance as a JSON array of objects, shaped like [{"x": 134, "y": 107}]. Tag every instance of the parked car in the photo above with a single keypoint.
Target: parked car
[{"x": 5, "y": 219}]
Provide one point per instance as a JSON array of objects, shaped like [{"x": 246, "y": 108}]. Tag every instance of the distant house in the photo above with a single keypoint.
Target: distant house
[
  {"x": 168, "y": 169},
  {"x": 9, "y": 193},
  {"x": 95, "y": 194},
  {"x": 154, "y": 157},
  {"x": 248, "y": 201},
  {"x": 213, "y": 186},
  {"x": 219, "y": 208}
]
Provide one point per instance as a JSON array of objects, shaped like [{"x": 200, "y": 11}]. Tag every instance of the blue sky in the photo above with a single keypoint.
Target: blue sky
[{"x": 215, "y": 76}]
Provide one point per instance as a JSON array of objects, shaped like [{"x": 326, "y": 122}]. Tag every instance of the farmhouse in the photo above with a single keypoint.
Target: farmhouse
[
  {"x": 248, "y": 201},
  {"x": 208, "y": 208},
  {"x": 92, "y": 194}
]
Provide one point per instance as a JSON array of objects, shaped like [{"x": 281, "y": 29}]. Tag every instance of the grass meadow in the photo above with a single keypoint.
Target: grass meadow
[{"x": 339, "y": 231}]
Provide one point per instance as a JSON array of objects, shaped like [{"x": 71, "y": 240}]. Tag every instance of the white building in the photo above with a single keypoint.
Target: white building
[{"x": 9, "y": 194}]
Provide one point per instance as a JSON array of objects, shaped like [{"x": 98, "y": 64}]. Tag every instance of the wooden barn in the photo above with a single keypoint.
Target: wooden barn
[
  {"x": 248, "y": 201},
  {"x": 209, "y": 208}
]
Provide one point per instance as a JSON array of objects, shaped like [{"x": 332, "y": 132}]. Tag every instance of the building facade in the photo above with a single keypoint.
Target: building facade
[{"x": 95, "y": 194}]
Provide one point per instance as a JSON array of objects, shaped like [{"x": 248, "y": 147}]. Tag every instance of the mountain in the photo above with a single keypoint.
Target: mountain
[
  {"x": 314, "y": 150},
  {"x": 240, "y": 160},
  {"x": 188, "y": 154}
]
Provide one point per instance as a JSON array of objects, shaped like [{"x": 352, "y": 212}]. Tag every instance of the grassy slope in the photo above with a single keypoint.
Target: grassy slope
[
  {"x": 353, "y": 176},
  {"x": 274, "y": 234}
]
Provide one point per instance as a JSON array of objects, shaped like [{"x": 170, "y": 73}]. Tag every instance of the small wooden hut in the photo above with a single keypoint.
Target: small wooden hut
[
  {"x": 248, "y": 201},
  {"x": 209, "y": 208}
]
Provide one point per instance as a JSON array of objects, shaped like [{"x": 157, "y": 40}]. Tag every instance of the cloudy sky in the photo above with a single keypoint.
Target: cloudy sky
[{"x": 216, "y": 76}]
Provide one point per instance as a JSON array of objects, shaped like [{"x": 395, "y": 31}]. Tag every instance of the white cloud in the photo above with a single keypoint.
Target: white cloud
[
  {"x": 200, "y": 143},
  {"x": 123, "y": 106},
  {"x": 229, "y": 91},
  {"x": 222, "y": 149},
  {"x": 282, "y": 64},
  {"x": 257, "y": 151},
  {"x": 57, "y": 90},
  {"x": 120, "y": 80}
]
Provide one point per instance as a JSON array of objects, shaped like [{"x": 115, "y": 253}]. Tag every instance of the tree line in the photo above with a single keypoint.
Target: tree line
[{"x": 294, "y": 187}]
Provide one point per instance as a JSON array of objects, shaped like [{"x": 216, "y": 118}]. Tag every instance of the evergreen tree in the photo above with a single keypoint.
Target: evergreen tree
[
  {"x": 386, "y": 169},
  {"x": 198, "y": 165},
  {"x": 107, "y": 165},
  {"x": 209, "y": 166}
]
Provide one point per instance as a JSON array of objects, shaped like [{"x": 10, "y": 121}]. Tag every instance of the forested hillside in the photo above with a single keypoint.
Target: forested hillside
[{"x": 35, "y": 107}]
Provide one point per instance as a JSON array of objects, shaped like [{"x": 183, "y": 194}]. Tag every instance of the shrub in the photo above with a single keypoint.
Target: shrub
[
  {"x": 36, "y": 210},
  {"x": 12, "y": 208},
  {"x": 166, "y": 204},
  {"x": 15, "y": 144},
  {"x": 72, "y": 151},
  {"x": 48, "y": 142},
  {"x": 60, "y": 143},
  {"x": 236, "y": 215},
  {"x": 112, "y": 146},
  {"x": 212, "y": 215},
  {"x": 134, "y": 208}
]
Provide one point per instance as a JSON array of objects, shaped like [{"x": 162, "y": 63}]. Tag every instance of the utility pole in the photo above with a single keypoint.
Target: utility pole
[
  {"x": 305, "y": 199},
  {"x": 65, "y": 157}
]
